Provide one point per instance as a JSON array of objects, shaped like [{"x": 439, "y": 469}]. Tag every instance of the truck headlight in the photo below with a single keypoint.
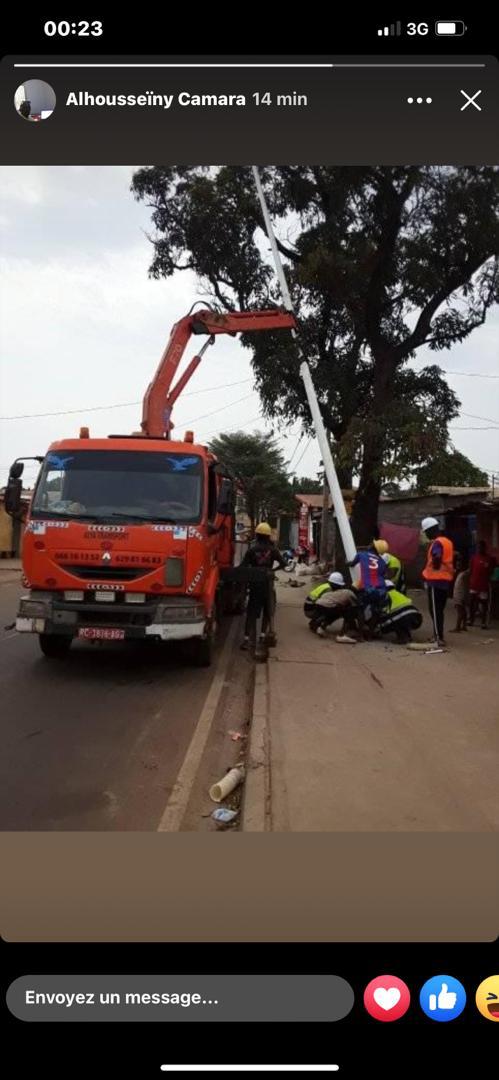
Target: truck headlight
[
  {"x": 32, "y": 609},
  {"x": 135, "y": 598}
]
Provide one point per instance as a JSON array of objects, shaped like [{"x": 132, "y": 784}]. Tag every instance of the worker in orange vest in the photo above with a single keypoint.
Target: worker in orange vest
[{"x": 438, "y": 574}]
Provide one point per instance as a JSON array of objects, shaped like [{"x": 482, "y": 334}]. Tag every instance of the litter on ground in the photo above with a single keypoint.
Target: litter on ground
[{"x": 223, "y": 815}]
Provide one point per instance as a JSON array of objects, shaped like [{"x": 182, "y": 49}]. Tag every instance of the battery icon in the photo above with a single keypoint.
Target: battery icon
[{"x": 450, "y": 29}]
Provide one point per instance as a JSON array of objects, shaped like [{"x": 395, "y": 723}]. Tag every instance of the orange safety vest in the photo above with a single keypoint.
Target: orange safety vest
[{"x": 445, "y": 571}]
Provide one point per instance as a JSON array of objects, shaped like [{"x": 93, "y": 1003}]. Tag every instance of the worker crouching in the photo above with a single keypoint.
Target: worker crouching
[
  {"x": 399, "y": 615},
  {"x": 331, "y": 601}
]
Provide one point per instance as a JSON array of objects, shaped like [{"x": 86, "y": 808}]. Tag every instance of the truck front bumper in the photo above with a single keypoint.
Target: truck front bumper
[{"x": 162, "y": 619}]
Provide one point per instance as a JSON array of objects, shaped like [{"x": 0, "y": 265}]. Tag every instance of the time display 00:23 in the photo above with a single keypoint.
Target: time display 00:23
[{"x": 80, "y": 29}]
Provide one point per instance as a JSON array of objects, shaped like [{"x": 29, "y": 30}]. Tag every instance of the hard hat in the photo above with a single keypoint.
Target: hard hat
[
  {"x": 381, "y": 546},
  {"x": 336, "y": 578},
  {"x": 263, "y": 529},
  {"x": 429, "y": 523}
]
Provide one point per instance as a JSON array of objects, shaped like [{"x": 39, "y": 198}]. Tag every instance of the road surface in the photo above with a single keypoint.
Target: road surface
[{"x": 96, "y": 742}]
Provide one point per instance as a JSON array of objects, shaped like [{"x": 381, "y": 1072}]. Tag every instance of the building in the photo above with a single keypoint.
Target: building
[
  {"x": 11, "y": 531},
  {"x": 305, "y": 530},
  {"x": 466, "y": 515}
]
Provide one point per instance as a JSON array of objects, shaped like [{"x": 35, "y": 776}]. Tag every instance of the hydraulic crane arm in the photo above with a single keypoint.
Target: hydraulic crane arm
[{"x": 160, "y": 396}]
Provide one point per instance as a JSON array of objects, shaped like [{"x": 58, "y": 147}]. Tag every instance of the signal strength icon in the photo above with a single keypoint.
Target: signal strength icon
[{"x": 394, "y": 30}]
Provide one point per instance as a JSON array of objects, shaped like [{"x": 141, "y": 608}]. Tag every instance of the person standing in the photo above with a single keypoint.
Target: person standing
[
  {"x": 460, "y": 595},
  {"x": 482, "y": 567},
  {"x": 438, "y": 574},
  {"x": 261, "y": 555}
]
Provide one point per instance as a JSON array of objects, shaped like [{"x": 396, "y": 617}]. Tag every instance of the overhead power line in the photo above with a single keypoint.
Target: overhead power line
[
  {"x": 468, "y": 374},
  {"x": 487, "y": 419},
  {"x": 305, "y": 448},
  {"x": 290, "y": 462},
  {"x": 119, "y": 405},
  {"x": 181, "y": 423},
  {"x": 472, "y": 374}
]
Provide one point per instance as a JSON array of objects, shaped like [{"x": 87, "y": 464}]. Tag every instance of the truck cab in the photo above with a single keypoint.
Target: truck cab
[{"x": 126, "y": 539}]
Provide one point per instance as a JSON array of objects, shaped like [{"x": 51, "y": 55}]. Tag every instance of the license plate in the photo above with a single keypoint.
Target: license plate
[{"x": 102, "y": 633}]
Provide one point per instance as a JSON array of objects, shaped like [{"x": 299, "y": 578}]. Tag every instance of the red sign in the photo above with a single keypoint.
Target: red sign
[
  {"x": 303, "y": 526},
  {"x": 103, "y": 633}
]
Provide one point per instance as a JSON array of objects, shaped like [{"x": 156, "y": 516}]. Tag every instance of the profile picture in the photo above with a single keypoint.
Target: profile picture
[{"x": 34, "y": 100}]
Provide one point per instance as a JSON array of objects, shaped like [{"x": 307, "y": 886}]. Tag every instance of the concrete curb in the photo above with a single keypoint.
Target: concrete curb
[
  {"x": 256, "y": 802},
  {"x": 8, "y": 576}
]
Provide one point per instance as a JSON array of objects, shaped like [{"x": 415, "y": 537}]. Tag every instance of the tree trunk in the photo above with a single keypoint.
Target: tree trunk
[
  {"x": 344, "y": 477},
  {"x": 364, "y": 519}
]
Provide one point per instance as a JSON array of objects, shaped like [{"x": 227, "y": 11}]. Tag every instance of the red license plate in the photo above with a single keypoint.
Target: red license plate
[{"x": 103, "y": 633}]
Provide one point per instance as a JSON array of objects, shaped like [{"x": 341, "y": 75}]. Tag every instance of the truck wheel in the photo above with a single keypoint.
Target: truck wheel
[
  {"x": 54, "y": 646},
  {"x": 202, "y": 651}
]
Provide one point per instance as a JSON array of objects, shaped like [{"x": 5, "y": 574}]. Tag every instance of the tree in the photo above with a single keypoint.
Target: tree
[
  {"x": 257, "y": 464},
  {"x": 450, "y": 468},
  {"x": 381, "y": 261},
  {"x": 303, "y": 485}
]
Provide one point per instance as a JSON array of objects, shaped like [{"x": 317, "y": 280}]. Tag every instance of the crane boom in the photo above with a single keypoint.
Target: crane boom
[{"x": 160, "y": 396}]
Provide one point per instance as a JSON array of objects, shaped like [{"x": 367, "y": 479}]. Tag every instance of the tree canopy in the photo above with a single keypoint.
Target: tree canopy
[
  {"x": 306, "y": 486},
  {"x": 450, "y": 468},
  {"x": 257, "y": 464},
  {"x": 381, "y": 261}
]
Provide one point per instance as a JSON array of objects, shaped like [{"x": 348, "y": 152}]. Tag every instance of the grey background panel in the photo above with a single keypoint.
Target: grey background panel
[{"x": 225, "y": 998}]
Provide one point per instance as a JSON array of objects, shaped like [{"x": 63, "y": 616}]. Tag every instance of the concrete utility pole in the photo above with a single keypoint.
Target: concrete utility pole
[{"x": 320, "y": 431}]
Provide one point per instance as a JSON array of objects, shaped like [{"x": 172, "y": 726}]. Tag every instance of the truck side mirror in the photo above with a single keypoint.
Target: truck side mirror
[
  {"x": 225, "y": 502},
  {"x": 13, "y": 493}
]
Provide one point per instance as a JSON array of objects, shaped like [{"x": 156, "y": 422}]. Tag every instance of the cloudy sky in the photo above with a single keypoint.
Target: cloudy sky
[{"x": 82, "y": 326}]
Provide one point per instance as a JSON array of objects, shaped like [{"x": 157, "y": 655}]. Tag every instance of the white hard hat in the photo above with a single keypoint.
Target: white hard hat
[
  {"x": 429, "y": 523},
  {"x": 386, "y": 558},
  {"x": 336, "y": 578}
]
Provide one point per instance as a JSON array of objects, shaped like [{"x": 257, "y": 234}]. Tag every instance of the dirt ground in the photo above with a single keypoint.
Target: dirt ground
[{"x": 376, "y": 737}]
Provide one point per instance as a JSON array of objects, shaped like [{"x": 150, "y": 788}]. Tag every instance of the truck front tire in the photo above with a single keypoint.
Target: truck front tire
[
  {"x": 54, "y": 646},
  {"x": 203, "y": 651}
]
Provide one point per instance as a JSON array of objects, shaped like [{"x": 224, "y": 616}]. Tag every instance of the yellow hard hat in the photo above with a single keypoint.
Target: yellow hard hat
[
  {"x": 381, "y": 546},
  {"x": 263, "y": 529}
]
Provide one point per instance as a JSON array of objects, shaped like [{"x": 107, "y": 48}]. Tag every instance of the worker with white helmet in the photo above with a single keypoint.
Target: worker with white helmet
[
  {"x": 330, "y": 601},
  {"x": 438, "y": 574},
  {"x": 262, "y": 554}
]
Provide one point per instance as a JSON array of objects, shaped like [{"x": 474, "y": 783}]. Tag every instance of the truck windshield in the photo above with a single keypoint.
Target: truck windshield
[{"x": 109, "y": 485}]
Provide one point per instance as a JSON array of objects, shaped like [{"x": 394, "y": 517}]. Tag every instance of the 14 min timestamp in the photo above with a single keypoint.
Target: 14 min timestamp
[{"x": 293, "y": 99}]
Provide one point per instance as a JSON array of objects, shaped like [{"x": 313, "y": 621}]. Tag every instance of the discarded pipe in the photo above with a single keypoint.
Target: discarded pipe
[{"x": 226, "y": 785}]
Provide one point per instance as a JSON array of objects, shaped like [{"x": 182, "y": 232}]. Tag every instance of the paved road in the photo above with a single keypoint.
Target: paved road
[{"x": 94, "y": 742}]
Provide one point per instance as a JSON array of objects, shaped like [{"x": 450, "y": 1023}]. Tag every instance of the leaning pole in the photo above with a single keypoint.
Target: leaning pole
[{"x": 320, "y": 431}]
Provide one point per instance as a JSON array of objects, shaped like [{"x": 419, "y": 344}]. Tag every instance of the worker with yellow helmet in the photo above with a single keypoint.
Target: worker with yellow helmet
[
  {"x": 395, "y": 569},
  {"x": 262, "y": 554}
]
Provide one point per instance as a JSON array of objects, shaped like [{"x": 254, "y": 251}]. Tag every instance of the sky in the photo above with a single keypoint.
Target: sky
[{"x": 83, "y": 326}]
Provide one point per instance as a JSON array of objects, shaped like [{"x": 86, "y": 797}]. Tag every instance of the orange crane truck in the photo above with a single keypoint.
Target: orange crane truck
[{"x": 128, "y": 537}]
